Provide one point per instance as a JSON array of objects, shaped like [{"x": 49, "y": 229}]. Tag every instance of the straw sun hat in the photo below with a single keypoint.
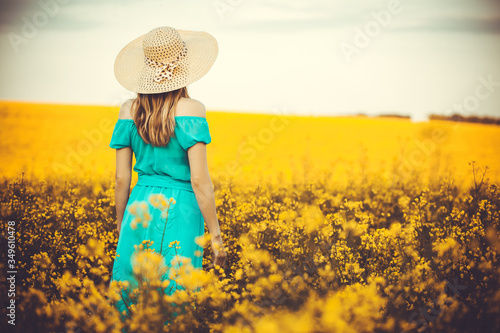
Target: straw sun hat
[{"x": 165, "y": 59}]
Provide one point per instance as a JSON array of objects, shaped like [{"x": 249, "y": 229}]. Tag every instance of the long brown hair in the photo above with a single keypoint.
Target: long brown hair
[{"x": 154, "y": 115}]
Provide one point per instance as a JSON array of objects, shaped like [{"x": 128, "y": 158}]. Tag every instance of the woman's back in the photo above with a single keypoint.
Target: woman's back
[{"x": 172, "y": 160}]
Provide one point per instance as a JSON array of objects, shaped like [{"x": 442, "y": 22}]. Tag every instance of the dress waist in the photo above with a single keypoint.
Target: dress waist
[{"x": 164, "y": 181}]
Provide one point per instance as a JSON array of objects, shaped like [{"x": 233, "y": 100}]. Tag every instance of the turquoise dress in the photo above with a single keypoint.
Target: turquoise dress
[{"x": 163, "y": 172}]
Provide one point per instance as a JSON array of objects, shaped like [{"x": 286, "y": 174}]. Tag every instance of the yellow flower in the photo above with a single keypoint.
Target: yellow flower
[
  {"x": 156, "y": 200},
  {"x": 150, "y": 266},
  {"x": 202, "y": 240}
]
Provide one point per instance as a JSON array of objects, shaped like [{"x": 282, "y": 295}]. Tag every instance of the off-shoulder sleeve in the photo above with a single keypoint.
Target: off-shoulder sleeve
[
  {"x": 121, "y": 134},
  {"x": 190, "y": 130}
]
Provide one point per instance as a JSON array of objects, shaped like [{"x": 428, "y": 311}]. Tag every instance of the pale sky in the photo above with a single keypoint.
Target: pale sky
[{"x": 307, "y": 57}]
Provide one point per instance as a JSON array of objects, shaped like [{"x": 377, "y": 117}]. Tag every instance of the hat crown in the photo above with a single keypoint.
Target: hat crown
[{"x": 163, "y": 44}]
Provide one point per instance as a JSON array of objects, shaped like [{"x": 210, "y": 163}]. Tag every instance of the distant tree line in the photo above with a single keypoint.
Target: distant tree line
[
  {"x": 391, "y": 115},
  {"x": 470, "y": 119},
  {"x": 453, "y": 117}
]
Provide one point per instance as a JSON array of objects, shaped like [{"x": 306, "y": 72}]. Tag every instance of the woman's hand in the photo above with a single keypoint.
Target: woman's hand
[{"x": 218, "y": 250}]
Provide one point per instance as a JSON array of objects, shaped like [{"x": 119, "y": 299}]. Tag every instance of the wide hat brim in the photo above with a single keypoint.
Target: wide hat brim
[{"x": 135, "y": 75}]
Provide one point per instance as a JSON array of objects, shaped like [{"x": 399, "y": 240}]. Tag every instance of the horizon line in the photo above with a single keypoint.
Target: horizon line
[{"x": 359, "y": 113}]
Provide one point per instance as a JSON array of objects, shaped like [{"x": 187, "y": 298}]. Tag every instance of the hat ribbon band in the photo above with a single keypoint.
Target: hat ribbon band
[{"x": 165, "y": 70}]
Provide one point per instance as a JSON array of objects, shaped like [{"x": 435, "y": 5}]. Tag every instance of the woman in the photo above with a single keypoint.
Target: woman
[{"x": 168, "y": 133}]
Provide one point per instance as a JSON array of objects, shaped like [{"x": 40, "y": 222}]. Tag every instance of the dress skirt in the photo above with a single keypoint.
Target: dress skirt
[{"x": 164, "y": 211}]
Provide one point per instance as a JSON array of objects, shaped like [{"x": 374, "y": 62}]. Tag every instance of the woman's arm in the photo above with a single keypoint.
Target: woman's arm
[
  {"x": 202, "y": 183},
  {"x": 123, "y": 179},
  {"x": 204, "y": 192}
]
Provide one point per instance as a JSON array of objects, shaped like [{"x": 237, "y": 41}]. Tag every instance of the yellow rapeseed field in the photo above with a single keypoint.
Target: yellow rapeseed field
[
  {"x": 332, "y": 224},
  {"x": 70, "y": 140}
]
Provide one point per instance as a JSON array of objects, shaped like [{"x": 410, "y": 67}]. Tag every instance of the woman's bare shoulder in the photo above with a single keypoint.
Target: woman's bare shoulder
[
  {"x": 190, "y": 107},
  {"x": 125, "y": 112}
]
